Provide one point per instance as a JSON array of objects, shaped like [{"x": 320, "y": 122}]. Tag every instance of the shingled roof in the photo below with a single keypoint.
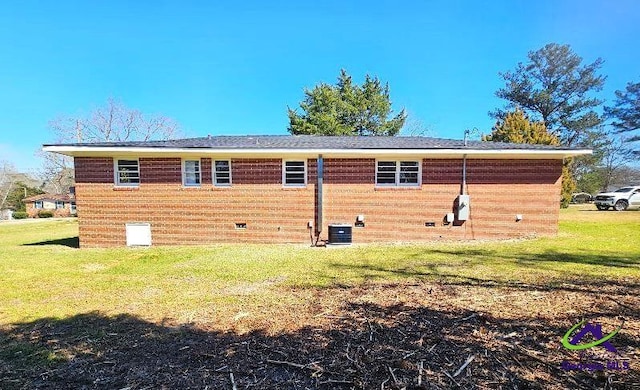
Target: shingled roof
[
  {"x": 54, "y": 197},
  {"x": 315, "y": 142}
]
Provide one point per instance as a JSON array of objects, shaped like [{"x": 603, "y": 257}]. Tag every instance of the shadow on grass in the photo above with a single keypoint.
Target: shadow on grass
[
  {"x": 71, "y": 242},
  {"x": 536, "y": 259},
  {"x": 365, "y": 346},
  {"x": 610, "y": 288}
]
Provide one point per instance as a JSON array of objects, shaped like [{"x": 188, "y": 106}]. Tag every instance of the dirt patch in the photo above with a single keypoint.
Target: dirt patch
[{"x": 410, "y": 335}]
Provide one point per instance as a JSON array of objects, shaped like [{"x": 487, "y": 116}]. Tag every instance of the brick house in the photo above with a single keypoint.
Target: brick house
[
  {"x": 288, "y": 189},
  {"x": 61, "y": 205}
]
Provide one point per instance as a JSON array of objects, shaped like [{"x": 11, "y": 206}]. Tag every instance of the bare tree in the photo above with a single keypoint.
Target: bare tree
[
  {"x": 6, "y": 171},
  {"x": 414, "y": 127},
  {"x": 617, "y": 156},
  {"x": 113, "y": 122},
  {"x": 57, "y": 172},
  {"x": 6, "y": 168},
  {"x": 626, "y": 175}
]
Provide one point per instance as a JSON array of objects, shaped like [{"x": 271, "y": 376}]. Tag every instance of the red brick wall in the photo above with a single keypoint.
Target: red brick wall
[
  {"x": 205, "y": 168},
  {"x": 350, "y": 171},
  {"x": 256, "y": 171},
  {"x": 93, "y": 169},
  {"x": 499, "y": 189},
  {"x": 201, "y": 215},
  {"x": 160, "y": 170}
]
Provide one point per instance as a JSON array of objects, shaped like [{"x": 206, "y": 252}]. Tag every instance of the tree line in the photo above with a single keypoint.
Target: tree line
[
  {"x": 550, "y": 98},
  {"x": 556, "y": 91}
]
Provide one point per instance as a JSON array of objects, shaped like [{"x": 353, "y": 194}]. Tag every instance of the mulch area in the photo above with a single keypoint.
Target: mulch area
[{"x": 426, "y": 335}]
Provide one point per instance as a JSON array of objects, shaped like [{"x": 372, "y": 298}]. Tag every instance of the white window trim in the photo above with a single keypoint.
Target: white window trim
[
  {"x": 116, "y": 176},
  {"x": 213, "y": 172},
  {"x": 397, "y": 174},
  {"x": 284, "y": 173},
  {"x": 184, "y": 172},
  {"x": 56, "y": 204},
  {"x": 35, "y": 204}
]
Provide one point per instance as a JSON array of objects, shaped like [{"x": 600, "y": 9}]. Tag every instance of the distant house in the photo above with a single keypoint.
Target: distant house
[
  {"x": 61, "y": 205},
  {"x": 268, "y": 189}
]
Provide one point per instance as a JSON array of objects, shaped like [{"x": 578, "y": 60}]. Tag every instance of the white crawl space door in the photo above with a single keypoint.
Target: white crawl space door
[{"x": 138, "y": 234}]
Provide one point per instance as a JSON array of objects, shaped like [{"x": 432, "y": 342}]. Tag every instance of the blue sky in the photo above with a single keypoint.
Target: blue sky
[{"x": 233, "y": 67}]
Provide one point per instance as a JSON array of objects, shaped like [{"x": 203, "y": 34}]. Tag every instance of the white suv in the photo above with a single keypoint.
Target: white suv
[{"x": 622, "y": 199}]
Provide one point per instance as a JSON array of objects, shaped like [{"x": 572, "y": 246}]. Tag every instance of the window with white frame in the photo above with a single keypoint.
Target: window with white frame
[
  {"x": 191, "y": 175},
  {"x": 222, "y": 172},
  {"x": 294, "y": 173},
  {"x": 38, "y": 204},
  {"x": 397, "y": 173},
  {"x": 127, "y": 172},
  {"x": 59, "y": 204}
]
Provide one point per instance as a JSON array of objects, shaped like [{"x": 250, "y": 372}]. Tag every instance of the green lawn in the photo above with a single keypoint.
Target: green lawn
[
  {"x": 291, "y": 316},
  {"x": 40, "y": 276}
]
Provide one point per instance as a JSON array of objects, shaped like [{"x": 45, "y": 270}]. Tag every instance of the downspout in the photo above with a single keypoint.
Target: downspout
[
  {"x": 464, "y": 164},
  {"x": 464, "y": 174},
  {"x": 320, "y": 174},
  {"x": 464, "y": 187}
]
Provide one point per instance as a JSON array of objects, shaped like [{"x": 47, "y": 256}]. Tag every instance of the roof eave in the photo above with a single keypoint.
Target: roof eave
[{"x": 92, "y": 151}]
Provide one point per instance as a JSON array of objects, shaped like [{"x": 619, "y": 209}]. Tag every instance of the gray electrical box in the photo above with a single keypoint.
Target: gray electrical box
[{"x": 463, "y": 207}]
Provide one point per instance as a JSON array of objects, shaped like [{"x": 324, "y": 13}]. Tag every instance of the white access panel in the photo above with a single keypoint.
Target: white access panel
[{"x": 138, "y": 234}]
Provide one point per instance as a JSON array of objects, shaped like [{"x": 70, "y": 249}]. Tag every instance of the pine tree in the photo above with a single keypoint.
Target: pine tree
[
  {"x": 517, "y": 128},
  {"x": 346, "y": 109},
  {"x": 19, "y": 191},
  {"x": 556, "y": 88},
  {"x": 626, "y": 112}
]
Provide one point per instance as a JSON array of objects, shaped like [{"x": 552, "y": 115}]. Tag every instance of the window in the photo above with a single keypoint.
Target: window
[
  {"x": 191, "y": 173},
  {"x": 73, "y": 208},
  {"x": 59, "y": 204},
  {"x": 294, "y": 173},
  {"x": 398, "y": 173},
  {"x": 386, "y": 174},
  {"x": 222, "y": 172},
  {"x": 127, "y": 173},
  {"x": 38, "y": 204}
]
